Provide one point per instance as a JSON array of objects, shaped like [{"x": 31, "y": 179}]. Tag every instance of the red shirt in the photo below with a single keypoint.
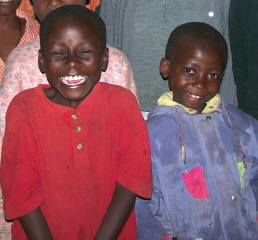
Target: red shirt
[{"x": 67, "y": 161}]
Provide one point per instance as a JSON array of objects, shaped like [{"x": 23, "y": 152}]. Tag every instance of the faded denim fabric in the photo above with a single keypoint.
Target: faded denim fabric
[{"x": 203, "y": 197}]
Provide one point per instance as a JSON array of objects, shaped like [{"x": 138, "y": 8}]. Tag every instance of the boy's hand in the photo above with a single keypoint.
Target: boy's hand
[{"x": 117, "y": 214}]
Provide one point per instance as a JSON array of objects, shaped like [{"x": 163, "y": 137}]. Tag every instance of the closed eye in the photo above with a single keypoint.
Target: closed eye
[
  {"x": 57, "y": 53},
  {"x": 85, "y": 51}
]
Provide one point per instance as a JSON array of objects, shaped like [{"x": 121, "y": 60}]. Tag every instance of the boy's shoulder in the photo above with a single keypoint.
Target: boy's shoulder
[
  {"x": 234, "y": 111},
  {"x": 115, "y": 99},
  {"x": 115, "y": 92},
  {"x": 26, "y": 97},
  {"x": 159, "y": 115},
  {"x": 241, "y": 118}
]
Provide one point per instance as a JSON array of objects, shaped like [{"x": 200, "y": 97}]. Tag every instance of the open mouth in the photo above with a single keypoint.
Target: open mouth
[
  {"x": 5, "y": 1},
  {"x": 72, "y": 80},
  {"x": 194, "y": 96}
]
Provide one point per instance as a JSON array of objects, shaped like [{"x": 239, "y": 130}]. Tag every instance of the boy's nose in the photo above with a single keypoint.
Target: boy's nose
[
  {"x": 72, "y": 62},
  {"x": 199, "y": 82}
]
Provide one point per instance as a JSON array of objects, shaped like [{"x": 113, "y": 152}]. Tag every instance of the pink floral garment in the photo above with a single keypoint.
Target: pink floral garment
[
  {"x": 31, "y": 32},
  {"x": 21, "y": 72}
]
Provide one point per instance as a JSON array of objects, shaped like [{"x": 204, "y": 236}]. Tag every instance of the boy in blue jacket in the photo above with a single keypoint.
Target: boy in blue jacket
[{"x": 204, "y": 150}]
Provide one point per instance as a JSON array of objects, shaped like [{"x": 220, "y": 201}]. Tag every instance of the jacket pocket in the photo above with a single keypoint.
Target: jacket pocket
[{"x": 195, "y": 183}]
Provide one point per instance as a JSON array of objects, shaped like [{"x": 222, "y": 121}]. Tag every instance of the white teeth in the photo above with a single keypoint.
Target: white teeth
[
  {"x": 194, "y": 96},
  {"x": 5, "y": 0},
  {"x": 73, "y": 80}
]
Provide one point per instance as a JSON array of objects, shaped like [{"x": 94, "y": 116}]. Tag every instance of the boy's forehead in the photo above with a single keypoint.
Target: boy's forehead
[
  {"x": 66, "y": 27},
  {"x": 190, "y": 44},
  {"x": 82, "y": 24}
]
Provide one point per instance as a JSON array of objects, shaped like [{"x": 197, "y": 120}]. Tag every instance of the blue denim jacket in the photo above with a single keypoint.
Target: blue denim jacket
[{"x": 204, "y": 195}]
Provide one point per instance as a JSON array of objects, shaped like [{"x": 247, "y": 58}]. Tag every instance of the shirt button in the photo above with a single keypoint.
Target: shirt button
[
  {"x": 80, "y": 146},
  {"x": 245, "y": 211},
  {"x": 211, "y": 14},
  {"x": 210, "y": 222},
  {"x": 78, "y": 129},
  {"x": 208, "y": 118},
  {"x": 74, "y": 116},
  {"x": 234, "y": 198}
]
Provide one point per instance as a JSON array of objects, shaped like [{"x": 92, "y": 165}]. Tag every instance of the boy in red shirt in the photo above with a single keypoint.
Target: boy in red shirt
[{"x": 74, "y": 158}]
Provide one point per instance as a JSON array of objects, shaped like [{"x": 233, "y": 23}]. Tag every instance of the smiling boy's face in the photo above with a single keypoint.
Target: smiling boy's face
[
  {"x": 73, "y": 60},
  {"x": 194, "y": 73}
]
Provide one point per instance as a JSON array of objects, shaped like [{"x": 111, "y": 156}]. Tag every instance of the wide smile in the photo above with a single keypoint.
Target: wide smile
[
  {"x": 73, "y": 80},
  {"x": 5, "y": 1},
  {"x": 193, "y": 96}
]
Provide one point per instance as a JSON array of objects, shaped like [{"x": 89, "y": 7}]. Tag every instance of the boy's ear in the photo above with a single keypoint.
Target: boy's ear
[
  {"x": 164, "y": 68},
  {"x": 105, "y": 59},
  {"x": 41, "y": 62}
]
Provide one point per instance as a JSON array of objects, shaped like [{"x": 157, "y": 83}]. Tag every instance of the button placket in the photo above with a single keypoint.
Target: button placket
[
  {"x": 80, "y": 146},
  {"x": 74, "y": 116},
  {"x": 77, "y": 129}
]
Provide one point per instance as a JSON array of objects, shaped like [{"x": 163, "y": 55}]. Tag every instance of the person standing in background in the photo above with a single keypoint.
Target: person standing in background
[
  {"x": 27, "y": 6},
  {"x": 243, "y": 34},
  {"x": 137, "y": 28},
  {"x": 16, "y": 28}
]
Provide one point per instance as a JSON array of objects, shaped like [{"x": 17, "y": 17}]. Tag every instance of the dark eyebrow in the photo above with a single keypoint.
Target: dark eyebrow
[{"x": 56, "y": 43}]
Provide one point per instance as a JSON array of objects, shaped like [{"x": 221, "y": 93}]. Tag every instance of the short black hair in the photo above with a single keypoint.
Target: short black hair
[
  {"x": 69, "y": 13},
  {"x": 196, "y": 31}
]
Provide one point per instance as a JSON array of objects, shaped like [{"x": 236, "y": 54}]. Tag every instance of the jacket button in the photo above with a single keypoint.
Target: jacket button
[
  {"x": 208, "y": 118},
  {"x": 234, "y": 198}
]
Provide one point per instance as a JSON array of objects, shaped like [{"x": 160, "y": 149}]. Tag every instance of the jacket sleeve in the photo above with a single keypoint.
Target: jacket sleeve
[
  {"x": 148, "y": 226},
  {"x": 254, "y": 170}
]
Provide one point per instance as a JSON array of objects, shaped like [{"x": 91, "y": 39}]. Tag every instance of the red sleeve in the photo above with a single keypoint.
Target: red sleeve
[
  {"x": 20, "y": 179},
  {"x": 134, "y": 166}
]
